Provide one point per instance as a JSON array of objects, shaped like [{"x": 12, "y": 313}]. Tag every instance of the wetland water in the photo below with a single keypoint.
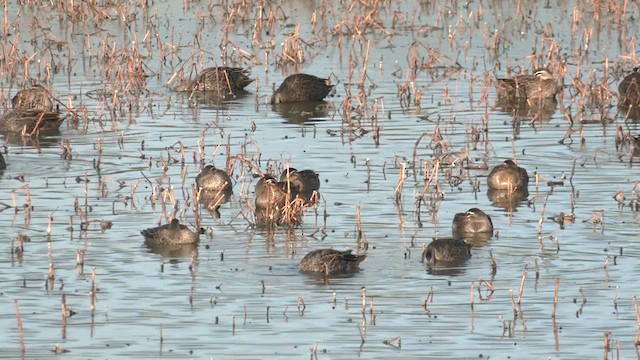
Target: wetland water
[{"x": 135, "y": 145}]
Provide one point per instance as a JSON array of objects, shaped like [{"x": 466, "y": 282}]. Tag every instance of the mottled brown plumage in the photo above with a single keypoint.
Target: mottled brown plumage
[
  {"x": 447, "y": 251},
  {"x": 170, "y": 234},
  {"x": 629, "y": 89},
  {"x": 215, "y": 188},
  {"x": 508, "y": 176},
  {"x": 218, "y": 80},
  {"x": 472, "y": 222},
  {"x": 306, "y": 182},
  {"x": 271, "y": 199},
  {"x": 212, "y": 179},
  {"x": 539, "y": 85},
  {"x": 301, "y": 87},
  {"x": 37, "y": 99},
  {"x": 330, "y": 261}
]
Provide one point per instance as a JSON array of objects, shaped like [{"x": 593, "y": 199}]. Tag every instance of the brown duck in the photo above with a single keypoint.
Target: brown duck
[
  {"x": 474, "y": 221},
  {"x": 301, "y": 87},
  {"x": 306, "y": 182},
  {"x": 629, "y": 88},
  {"x": 170, "y": 234},
  {"x": 218, "y": 80},
  {"x": 508, "y": 176},
  {"x": 540, "y": 85},
  {"x": 330, "y": 261},
  {"x": 212, "y": 179},
  {"x": 446, "y": 251}
]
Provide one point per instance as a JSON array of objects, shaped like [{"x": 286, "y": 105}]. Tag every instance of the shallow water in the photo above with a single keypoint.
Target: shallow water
[{"x": 248, "y": 277}]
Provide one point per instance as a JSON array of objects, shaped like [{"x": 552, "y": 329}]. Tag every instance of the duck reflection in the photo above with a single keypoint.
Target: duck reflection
[
  {"x": 215, "y": 101},
  {"x": 531, "y": 110},
  {"x": 46, "y": 138},
  {"x": 302, "y": 112},
  {"x": 173, "y": 251},
  {"x": 213, "y": 199},
  {"x": 318, "y": 278},
  {"x": 508, "y": 200}
]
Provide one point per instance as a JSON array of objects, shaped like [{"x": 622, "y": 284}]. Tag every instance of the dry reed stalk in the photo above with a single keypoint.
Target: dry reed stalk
[
  {"x": 372, "y": 315},
  {"x": 51, "y": 276},
  {"x": 80, "y": 260},
  {"x": 92, "y": 293},
  {"x": 607, "y": 343},
  {"x": 23, "y": 349},
  {"x": 363, "y": 329},
  {"x": 489, "y": 286},
  {"x": 301, "y": 306},
  {"x": 494, "y": 264},
  {"x": 514, "y": 307},
  {"x": 49, "y": 221},
  {"x": 635, "y": 306},
  {"x": 544, "y": 207},
  {"x": 555, "y": 298},
  {"x": 524, "y": 277},
  {"x": 471, "y": 291},
  {"x": 63, "y": 304},
  {"x": 363, "y": 75}
]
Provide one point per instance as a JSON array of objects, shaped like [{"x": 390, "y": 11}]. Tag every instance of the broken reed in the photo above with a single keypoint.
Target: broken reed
[{"x": 20, "y": 328}]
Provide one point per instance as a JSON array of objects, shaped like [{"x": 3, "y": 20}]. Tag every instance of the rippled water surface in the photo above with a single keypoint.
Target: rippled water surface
[{"x": 413, "y": 91}]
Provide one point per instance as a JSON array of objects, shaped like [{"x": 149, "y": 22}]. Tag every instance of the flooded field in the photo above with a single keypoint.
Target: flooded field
[{"x": 404, "y": 142}]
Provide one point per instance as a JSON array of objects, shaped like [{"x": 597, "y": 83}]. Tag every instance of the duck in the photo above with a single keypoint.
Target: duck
[
  {"x": 508, "y": 176},
  {"x": 540, "y": 85},
  {"x": 219, "y": 80},
  {"x": 629, "y": 88},
  {"x": 446, "y": 250},
  {"x": 473, "y": 221},
  {"x": 271, "y": 199},
  {"x": 213, "y": 179},
  {"x": 29, "y": 120},
  {"x": 170, "y": 234},
  {"x": 301, "y": 87},
  {"x": 330, "y": 261},
  {"x": 271, "y": 193},
  {"x": 306, "y": 182},
  {"x": 37, "y": 99}
]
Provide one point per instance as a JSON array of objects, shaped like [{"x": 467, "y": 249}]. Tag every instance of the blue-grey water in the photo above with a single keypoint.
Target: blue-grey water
[{"x": 134, "y": 148}]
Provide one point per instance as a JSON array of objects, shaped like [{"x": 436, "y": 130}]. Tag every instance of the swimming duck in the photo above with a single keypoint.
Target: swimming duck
[
  {"x": 508, "y": 176},
  {"x": 330, "y": 261},
  {"x": 220, "y": 80},
  {"x": 306, "y": 182},
  {"x": 271, "y": 199},
  {"x": 540, "y": 85},
  {"x": 474, "y": 221},
  {"x": 629, "y": 88},
  {"x": 37, "y": 98},
  {"x": 301, "y": 87},
  {"x": 446, "y": 251},
  {"x": 212, "y": 179},
  {"x": 170, "y": 234}
]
